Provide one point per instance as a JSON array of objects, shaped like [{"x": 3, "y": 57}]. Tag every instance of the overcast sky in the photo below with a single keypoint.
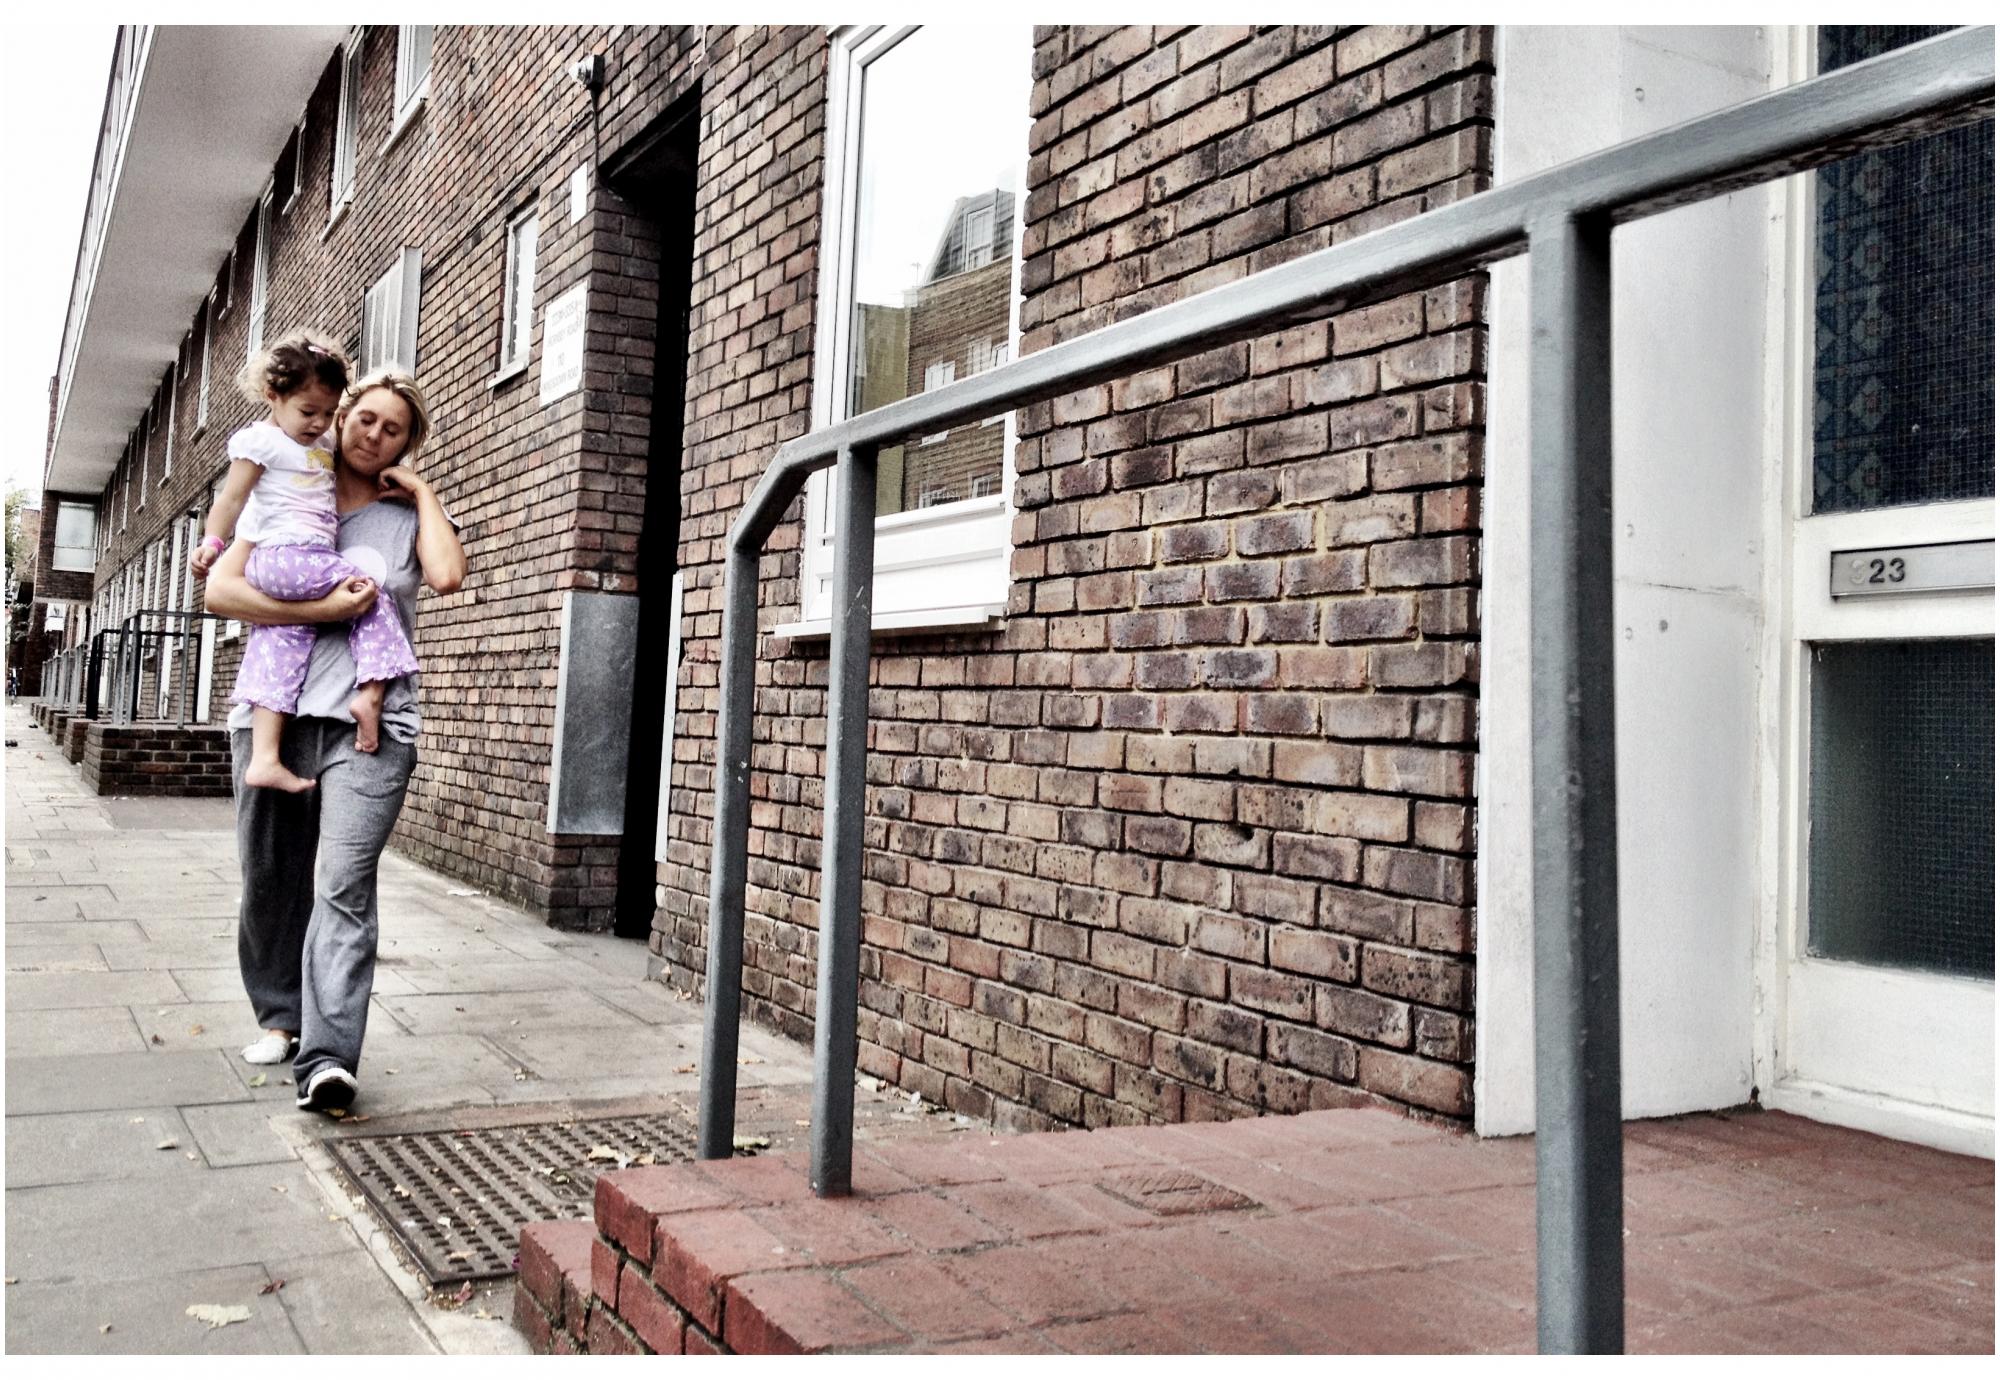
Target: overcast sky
[{"x": 52, "y": 80}]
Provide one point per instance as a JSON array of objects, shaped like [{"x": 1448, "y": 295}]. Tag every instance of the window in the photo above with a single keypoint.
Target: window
[
  {"x": 413, "y": 69},
  {"x": 517, "y": 328},
  {"x": 125, "y": 488},
  {"x": 347, "y": 124},
  {"x": 201, "y": 396},
  {"x": 389, "y": 316},
  {"x": 143, "y": 439},
  {"x": 225, "y": 289},
  {"x": 919, "y": 220},
  {"x": 1903, "y": 322},
  {"x": 260, "y": 268},
  {"x": 290, "y": 174},
  {"x": 76, "y": 536},
  {"x": 173, "y": 400}
]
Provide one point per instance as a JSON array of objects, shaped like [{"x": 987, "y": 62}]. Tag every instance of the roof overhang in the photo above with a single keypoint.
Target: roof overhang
[{"x": 213, "y": 109}]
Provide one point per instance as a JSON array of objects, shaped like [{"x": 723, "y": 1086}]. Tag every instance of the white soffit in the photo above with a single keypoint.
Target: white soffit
[{"x": 214, "y": 109}]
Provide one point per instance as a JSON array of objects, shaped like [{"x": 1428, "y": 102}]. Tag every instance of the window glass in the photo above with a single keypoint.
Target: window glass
[
  {"x": 1903, "y": 310},
  {"x": 518, "y": 328},
  {"x": 76, "y": 536},
  {"x": 413, "y": 63},
  {"x": 1901, "y": 805},
  {"x": 943, "y": 139}
]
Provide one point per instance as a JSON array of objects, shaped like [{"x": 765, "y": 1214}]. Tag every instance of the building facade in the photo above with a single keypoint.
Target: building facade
[{"x": 1197, "y": 748}]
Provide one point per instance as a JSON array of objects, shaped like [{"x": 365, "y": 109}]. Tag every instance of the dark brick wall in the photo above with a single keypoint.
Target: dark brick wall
[
  {"x": 154, "y": 759},
  {"x": 1191, "y": 836}
]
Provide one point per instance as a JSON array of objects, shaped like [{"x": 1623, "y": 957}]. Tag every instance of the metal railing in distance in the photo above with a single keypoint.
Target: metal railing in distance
[
  {"x": 1562, "y": 219},
  {"x": 118, "y": 677}
]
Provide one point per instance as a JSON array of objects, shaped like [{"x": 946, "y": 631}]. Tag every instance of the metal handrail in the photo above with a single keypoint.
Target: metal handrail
[
  {"x": 1562, "y": 219},
  {"x": 134, "y": 636}
]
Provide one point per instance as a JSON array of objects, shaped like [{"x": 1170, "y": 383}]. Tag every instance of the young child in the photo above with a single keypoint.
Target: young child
[{"x": 279, "y": 494}]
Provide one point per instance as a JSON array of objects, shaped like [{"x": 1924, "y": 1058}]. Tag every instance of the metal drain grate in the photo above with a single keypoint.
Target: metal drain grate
[
  {"x": 1175, "y": 1194},
  {"x": 457, "y": 1200}
]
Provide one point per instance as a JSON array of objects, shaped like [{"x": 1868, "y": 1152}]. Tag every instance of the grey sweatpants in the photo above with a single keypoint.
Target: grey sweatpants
[{"x": 306, "y": 932}]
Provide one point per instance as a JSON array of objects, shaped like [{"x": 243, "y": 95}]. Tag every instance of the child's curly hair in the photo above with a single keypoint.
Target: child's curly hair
[{"x": 297, "y": 361}]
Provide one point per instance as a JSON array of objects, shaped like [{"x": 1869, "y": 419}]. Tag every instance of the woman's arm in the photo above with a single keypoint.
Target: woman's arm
[
  {"x": 438, "y": 551},
  {"x": 233, "y": 596}
]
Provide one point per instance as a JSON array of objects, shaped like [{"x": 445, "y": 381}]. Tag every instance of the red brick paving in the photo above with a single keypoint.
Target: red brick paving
[{"x": 1367, "y": 1232}]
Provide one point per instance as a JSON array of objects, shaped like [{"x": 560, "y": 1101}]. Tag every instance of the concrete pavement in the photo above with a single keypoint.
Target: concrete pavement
[{"x": 147, "y": 1169}]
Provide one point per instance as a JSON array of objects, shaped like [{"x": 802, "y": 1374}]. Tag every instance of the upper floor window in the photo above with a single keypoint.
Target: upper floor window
[
  {"x": 201, "y": 393},
  {"x": 260, "y": 272},
  {"x": 413, "y": 68},
  {"x": 347, "y": 123},
  {"x": 76, "y": 536},
  {"x": 927, "y": 140},
  {"x": 517, "y": 325},
  {"x": 389, "y": 316}
]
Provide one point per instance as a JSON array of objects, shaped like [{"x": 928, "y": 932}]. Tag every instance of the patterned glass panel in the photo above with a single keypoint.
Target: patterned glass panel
[
  {"x": 1901, "y": 805},
  {"x": 1903, "y": 321}
]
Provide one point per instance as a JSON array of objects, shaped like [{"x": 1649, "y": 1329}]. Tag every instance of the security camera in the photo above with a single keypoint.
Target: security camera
[{"x": 589, "y": 72}]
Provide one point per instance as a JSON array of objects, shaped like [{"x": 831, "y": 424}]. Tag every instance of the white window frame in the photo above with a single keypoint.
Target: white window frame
[
  {"x": 346, "y": 129},
  {"x": 89, "y": 546},
  {"x": 225, "y": 291},
  {"x": 125, "y": 491},
  {"x": 298, "y": 168},
  {"x": 517, "y": 325},
  {"x": 389, "y": 315},
  {"x": 207, "y": 336},
  {"x": 144, "y": 438},
  {"x": 260, "y": 271},
  {"x": 413, "y": 87},
  {"x": 943, "y": 566},
  {"x": 173, "y": 401}
]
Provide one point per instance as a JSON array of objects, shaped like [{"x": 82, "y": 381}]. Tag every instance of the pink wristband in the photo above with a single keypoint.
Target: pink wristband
[{"x": 217, "y": 542}]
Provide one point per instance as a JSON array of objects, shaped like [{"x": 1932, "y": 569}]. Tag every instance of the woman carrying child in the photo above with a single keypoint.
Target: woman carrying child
[
  {"x": 307, "y": 935},
  {"x": 279, "y": 496}
]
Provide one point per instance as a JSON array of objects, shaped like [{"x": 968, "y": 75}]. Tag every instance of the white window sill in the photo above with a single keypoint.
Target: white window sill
[
  {"x": 407, "y": 116},
  {"x": 974, "y": 617},
  {"x": 508, "y": 373},
  {"x": 339, "y": 214},
  {"x": 290, "y": 202}
]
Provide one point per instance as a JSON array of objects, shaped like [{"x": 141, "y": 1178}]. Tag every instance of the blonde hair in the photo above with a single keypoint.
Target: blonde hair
[
  {"x": 404, "y": 387},
  {"x": 296, "y": 361}
]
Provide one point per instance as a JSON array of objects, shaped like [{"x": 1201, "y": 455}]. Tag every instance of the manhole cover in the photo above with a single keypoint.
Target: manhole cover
[
  {"x": 1175, "y": 1193},
  {"x": 457, "y": 1200}
]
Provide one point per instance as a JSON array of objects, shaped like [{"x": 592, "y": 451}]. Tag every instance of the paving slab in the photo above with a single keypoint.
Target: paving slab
[
  {"x": 55, "y": 958},
  {"x": 150, "y": 1078},
  {"x": 148, "y": 1316},
  {"x": 86, "y": 1147},
  {"x": 49, "y": 991},
  {"x": 220, "y": 1217},
  {"x": 456, "y": 1013},
  {"x": 345, "y": 1304},
  {"x": 72, "y": 1030},
  {"x": 80, "y": 932},
  {"x": 505, "y": 975},
  {"x": 228, "y": 1134},
  {"x": 26, "y": 905}
]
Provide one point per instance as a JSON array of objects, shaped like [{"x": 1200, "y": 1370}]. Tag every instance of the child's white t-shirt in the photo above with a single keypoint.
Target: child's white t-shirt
[{"x": 292, "y": 502}]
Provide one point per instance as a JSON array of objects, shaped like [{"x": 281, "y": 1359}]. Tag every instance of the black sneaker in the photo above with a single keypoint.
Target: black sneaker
[{"x": 332, "y": 1089}]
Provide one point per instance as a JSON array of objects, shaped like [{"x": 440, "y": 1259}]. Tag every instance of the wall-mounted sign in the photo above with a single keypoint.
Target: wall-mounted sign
[
  {"x": 562, "y": 344},
  {"x": 1944, "y": 566}
]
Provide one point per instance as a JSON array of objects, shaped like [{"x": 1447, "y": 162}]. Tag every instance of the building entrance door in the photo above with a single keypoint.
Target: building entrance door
[{"x": 1886, "y": 938}]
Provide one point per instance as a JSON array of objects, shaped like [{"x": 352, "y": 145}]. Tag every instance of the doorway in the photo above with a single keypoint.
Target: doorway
[{"x": 656, "y": 180}]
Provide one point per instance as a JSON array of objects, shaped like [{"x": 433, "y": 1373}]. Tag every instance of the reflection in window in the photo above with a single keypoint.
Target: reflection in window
[
  {"x": 1903, "y": 310},
  {"x": 943, "y": 135}
]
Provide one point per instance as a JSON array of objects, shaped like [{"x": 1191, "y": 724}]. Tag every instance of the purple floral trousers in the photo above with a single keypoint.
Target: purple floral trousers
[{"x": 275, "y": 657}]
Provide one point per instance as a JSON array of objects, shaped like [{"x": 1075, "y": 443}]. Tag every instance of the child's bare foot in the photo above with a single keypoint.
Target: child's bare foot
[
  {"x": 275, "y": 776},
  {"x": 366, "y": 708}
]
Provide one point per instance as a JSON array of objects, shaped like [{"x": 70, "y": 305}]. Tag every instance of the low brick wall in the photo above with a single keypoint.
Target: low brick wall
[
  {"x": 156, "y": 759},
  {"x": 70, "y": 737}
]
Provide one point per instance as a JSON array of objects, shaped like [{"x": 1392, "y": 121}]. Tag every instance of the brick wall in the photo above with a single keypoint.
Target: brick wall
[
  {"x": 1191, "y": 835},
  {"x": 155, "y": 759}
]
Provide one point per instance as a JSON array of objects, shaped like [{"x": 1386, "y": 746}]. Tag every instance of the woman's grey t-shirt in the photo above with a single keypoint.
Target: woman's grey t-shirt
[{"x": 380, "y": 540}]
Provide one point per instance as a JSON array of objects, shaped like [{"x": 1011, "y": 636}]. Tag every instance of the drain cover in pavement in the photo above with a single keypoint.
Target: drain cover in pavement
[
  {"x": 457, "y": 1200},
  {"x": 1175, "y": 1194}
]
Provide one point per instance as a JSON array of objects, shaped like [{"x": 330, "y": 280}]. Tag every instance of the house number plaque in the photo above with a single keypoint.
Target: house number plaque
[{"x": 1954, "y": 565}]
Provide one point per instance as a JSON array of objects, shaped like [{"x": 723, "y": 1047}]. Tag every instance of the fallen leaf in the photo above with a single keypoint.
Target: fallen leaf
[
  {"x": 391, "y": 1070},
  {"x": 685, "y": 1068},
  {"x": 168, "y": 1144},
  {"x": 191, "y": 1155},
  {"x": 13, "y": 1279},
  {"x": 260, "y": 1080},
  {"x": 802, "y": 1122},
  {"x": 138, "y": 1121},
  {"x": 399, "y": 1190},
  {"x": 464, "y": 1294},
  {"x": 750, "y": 1059},
  {"x": 158, "y": 1041},
  {"x": 751, "y": 1143},
  {"x": 273, "y": 1287},
  {"x": 603, "y": 1152},
  {"x": 196, "y": 1029},
  {"x": 460, "y": 891},
  {"x": 647, "y": 1158},
  {"x": 218, "y": 1314},
  {"x": 458, "y": 1255},
  {"x": 361, "y": 1116},
  {"x": 279, "y": 1188},
  {"x": 104, "y": 1327},
  {"x": 484, "y": 1316}
]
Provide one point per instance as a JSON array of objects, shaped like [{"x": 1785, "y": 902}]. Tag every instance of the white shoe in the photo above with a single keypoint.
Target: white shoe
[
  {"x": 331, "y": 1089},
  {"x": 270, "y": 1049}
]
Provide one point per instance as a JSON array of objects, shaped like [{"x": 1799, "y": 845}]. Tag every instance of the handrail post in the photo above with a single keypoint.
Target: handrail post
[
  {"x": 729, "y": 851},
  {"x": 845, "y": 813},
  {"x": 1579, "y": 1151}
]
